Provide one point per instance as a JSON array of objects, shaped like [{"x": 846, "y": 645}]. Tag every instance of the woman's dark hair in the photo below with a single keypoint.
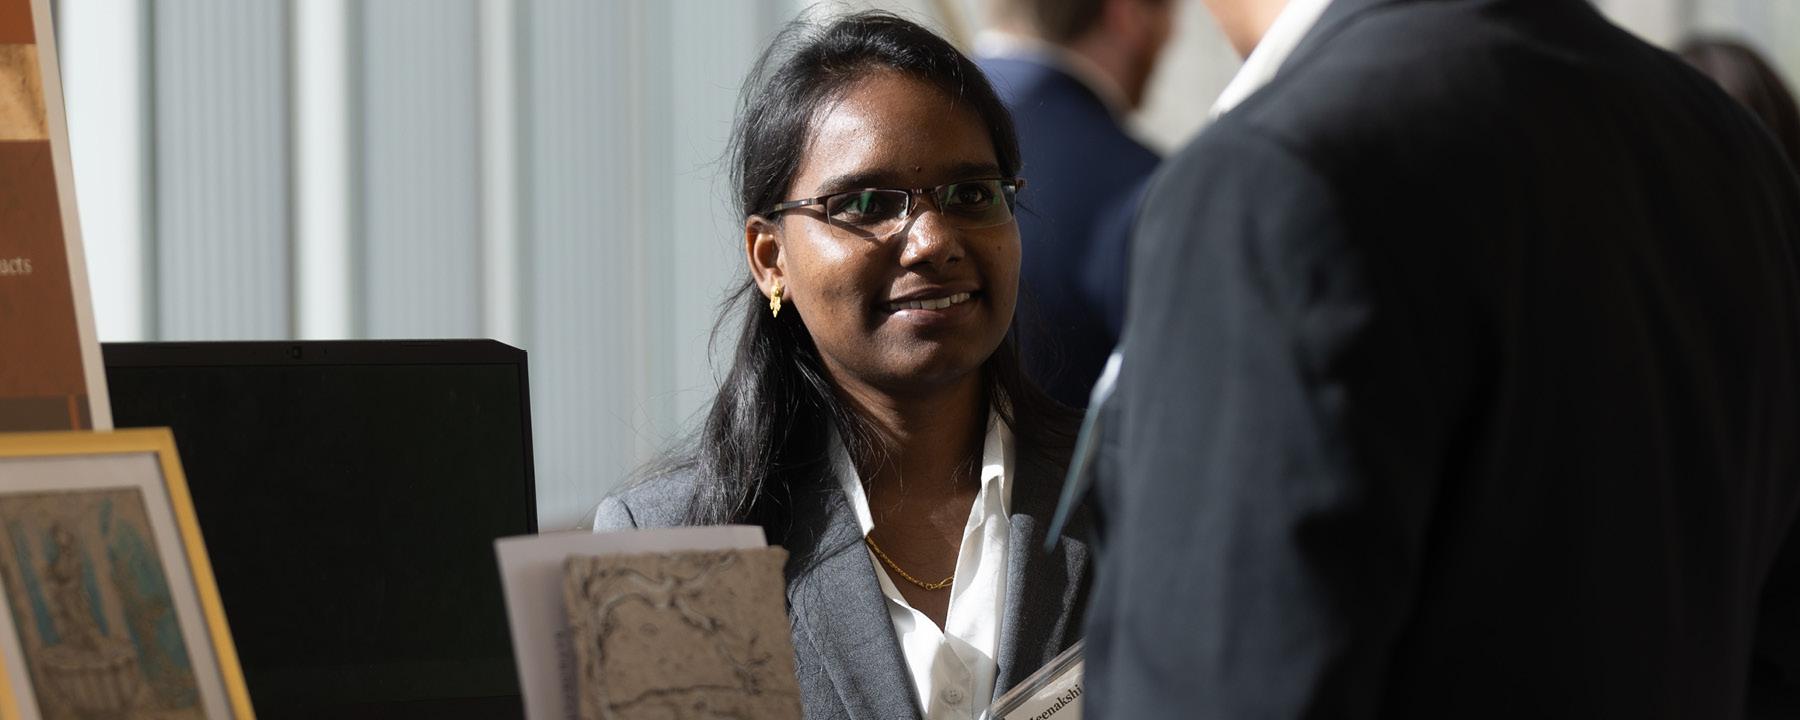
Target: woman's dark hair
[
  {"x": 765, "y": 440},
  {"x": 1746, "y": 76}
]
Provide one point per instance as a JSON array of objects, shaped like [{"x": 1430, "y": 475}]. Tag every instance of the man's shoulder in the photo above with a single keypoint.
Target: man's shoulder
[
  {"x": 1381, "y": 64},
  {"x": 1016, "y": 69},
  {"x": 1064, "y": 126},
  {"x": 1026, "y": 83},
  {"x": 1422, "y": 79},
  {"x": 1456, "y": 61}
]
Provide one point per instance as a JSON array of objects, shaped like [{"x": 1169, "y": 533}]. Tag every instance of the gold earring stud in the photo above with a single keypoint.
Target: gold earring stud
[{"x": 775, "y": 300}]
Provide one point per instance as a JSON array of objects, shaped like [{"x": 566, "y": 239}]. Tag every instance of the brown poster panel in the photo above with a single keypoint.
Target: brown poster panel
[
  {"x": 15, "y": 23},
  {"x": 45, "y": 317}
]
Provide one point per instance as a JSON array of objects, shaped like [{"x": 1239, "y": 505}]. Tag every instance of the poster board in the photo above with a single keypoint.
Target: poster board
[
  {"x": 51, "y": 376},
  {"x": 107, "y": 602}
]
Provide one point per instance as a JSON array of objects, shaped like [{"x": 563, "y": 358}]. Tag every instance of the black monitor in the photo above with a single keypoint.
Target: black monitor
[{"x": 349, "y": 493}]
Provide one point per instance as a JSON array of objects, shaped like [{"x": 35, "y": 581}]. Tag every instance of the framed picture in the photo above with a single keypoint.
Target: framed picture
[{"x": 110, "y": 610}]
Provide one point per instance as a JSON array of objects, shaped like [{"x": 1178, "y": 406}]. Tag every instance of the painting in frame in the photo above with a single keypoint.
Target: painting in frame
[{"x": 110, "y": 609}]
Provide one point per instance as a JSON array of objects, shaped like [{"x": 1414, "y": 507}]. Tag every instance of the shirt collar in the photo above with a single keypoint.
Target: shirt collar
[
  {"x": 996, "y": 472},
  {"x": 1290, "y": 27},
  {"x": 1009, "y": 46}
]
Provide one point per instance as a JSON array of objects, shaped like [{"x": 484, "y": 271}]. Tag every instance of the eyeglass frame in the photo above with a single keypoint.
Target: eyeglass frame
[{"x": 1011, "y": 200}]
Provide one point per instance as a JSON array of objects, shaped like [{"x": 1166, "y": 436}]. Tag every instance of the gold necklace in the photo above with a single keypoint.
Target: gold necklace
[{"x": 939, "y": 585}]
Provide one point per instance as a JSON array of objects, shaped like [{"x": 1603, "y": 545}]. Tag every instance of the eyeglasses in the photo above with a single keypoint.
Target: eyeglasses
[{"x": 878, "y": 213}]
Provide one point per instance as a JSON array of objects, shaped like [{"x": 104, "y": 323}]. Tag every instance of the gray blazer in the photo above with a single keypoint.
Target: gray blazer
[{"x": 846, "y": 655}]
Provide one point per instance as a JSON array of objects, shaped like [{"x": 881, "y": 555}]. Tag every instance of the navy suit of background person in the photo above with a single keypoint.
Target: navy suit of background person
[
  {"x": 1461, "y": 380},
  {"x": 1070, "y": 71}
]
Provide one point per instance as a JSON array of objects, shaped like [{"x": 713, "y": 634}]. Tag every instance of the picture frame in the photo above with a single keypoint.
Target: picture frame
[{"x": 109, "y": 607}]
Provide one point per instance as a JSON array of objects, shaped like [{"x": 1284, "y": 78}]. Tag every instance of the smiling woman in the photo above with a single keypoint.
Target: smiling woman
[
  {"x": 875, "y": 420},
  {"x": 872, "y": 280}
]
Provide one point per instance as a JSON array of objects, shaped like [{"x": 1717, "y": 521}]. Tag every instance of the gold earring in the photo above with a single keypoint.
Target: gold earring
[{"x": 775, "y": 300}]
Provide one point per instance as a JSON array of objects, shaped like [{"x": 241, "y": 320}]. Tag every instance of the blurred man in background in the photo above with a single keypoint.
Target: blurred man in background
[
  {"x": 1461, "y": 380},
  {"x": 1072, "y": 71}
]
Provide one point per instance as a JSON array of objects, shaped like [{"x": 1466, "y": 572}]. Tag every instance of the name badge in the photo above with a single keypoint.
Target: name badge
[{"x": 1051, "y": 693}]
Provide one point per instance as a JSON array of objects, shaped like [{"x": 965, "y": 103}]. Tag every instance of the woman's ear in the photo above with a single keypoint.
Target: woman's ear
[{"x": 762, "y": 249}]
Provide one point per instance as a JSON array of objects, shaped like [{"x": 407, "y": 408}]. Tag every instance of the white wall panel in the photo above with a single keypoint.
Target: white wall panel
[
  {"x": 1660, "y": 21},
  {"x": 500, "y": 238},
  {"x": 221, "y": 169},
  {"x": 631, "y": 240},
  {"x": 702, "y": 255},
  {"x": 585, "y": 218},
  {"x": 326, "y": 297},
  {"x": 1781, "y": 38},
  {"x": 105, "y": 78},
  {"x": 420, "y": 154},
  {"x": 1194, "y": 68}
]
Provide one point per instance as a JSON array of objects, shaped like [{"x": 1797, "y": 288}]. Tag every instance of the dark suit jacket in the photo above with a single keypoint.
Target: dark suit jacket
[
  {"x": 1083, "y": 176},
  {"x": 846, "y": 655},
  {"x": 1460, "y": 381}
]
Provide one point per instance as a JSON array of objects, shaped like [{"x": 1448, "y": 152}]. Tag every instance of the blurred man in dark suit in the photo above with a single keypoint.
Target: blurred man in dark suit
[
  {"x": 1071, "y": 71},
  {"x": 1461, "y": 380}
]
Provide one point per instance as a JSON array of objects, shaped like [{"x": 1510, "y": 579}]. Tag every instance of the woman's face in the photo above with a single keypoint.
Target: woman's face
[{"x": 892, "y": 131}]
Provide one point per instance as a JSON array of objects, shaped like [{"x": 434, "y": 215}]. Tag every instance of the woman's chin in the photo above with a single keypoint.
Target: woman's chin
[{"x": 935, "y": 373}]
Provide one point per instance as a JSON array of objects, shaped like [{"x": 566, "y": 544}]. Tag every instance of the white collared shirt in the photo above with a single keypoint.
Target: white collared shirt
[
  {"x": 953, "y": 669},
  {"x": 1285, "y": 34}
]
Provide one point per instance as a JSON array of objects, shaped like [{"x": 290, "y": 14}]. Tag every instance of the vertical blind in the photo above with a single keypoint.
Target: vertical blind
[{"x": 537, "y": 171}]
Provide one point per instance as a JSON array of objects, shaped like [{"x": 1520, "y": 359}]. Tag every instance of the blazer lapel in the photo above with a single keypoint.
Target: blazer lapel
[
  {"x": 1046, "y": 592},
  {"x": 841, "y": 616}
]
